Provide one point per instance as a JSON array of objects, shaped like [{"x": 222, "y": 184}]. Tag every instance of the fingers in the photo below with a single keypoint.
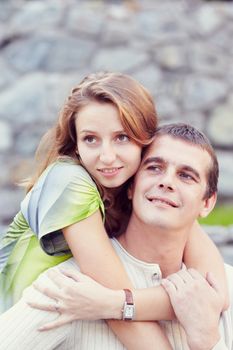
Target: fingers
[
  {"x": 213, "y": 282},
  {"x": 57, "y": 277},
  {"x": 59, "y": 280},
  {"x": 186, "y": 276},
  {"x": 196, "y": 275},
  {"x": 51, "y": 292},
  {"x": 169, "y": 287},
  {"x": 60, "y": 321},
  {"x": 63, "y": 277},
  {"x": 57, "y": 286},
  {"x": 180, "y": 280},
  {"x": 74, "y": 274},
  {"x": 53, "y": 307}
]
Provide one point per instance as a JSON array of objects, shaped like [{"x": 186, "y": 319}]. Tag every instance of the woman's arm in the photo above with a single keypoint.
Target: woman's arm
[
  {"x": 202, "y": 254},
  {"x": 151, "y": 303},
  {"x": 96, "y": 257}
]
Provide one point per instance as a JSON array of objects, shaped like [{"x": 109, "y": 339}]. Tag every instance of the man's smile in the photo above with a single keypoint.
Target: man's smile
[{"x": 163, "y": 200}]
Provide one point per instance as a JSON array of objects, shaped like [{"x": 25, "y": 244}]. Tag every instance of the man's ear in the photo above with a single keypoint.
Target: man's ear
[{"x": 208, "y": 205}]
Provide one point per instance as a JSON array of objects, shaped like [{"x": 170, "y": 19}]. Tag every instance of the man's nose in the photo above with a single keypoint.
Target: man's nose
[{"x": 167, "y": 181}]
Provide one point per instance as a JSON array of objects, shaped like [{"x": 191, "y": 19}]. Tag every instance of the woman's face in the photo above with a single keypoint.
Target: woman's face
[{"x": 105, "y": 149}]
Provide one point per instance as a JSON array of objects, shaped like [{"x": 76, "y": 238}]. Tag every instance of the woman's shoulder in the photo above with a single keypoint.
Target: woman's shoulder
[
  {"x": 66, "y": 169},
  {"x": 63, "y": 194},
  {"x": 63, "y": 178}
]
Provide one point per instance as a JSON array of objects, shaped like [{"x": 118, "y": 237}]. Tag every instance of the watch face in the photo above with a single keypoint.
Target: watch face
[{"x": 129, "y": 311}]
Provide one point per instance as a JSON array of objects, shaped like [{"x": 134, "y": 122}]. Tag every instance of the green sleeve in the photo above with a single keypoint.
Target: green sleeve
[{"x": 63, "y": 195}]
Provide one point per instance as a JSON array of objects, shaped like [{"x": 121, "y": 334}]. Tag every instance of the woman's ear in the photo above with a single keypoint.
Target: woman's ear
[{"x": 208, "y": 205}]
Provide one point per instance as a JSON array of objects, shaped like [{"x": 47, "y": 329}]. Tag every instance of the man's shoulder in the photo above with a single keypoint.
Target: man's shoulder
[
  {"x": 229, "y": 270},
  {"x": 229, "y": 273}
]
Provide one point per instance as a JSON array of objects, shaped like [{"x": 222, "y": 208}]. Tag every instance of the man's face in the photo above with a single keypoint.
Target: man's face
[{"x": 170, "y": 184}]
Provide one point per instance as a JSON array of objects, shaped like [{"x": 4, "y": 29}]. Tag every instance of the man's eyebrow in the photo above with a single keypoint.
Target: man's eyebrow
[
  {"x": 160, "y": 160},
  {"x": 191, "y": 170},
  {"x": 153, "y": 160}
]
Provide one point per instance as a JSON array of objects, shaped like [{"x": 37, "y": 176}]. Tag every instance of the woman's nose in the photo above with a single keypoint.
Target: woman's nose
[{"x": 107, "y": 155}]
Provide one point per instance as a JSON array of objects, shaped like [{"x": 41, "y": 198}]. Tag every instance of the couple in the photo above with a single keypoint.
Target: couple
[{"x": 176, "y": 183}]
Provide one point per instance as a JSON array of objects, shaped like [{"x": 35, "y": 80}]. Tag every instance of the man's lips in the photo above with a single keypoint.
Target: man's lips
[{"x": 164, "y": 200}]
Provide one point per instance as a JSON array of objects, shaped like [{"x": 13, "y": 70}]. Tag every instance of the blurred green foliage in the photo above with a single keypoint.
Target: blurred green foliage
[{"x": 221, "y": 215}]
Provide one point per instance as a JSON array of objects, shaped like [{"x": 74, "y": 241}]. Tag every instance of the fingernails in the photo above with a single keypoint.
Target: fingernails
[
  {"x": 34, "y": 284},
  {"x": 41, "y": 329},
  {"x": 164, "y": 282}
]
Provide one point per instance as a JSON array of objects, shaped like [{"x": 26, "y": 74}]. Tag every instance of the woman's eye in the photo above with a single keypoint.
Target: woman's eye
[
  {"x": 123, "y": 138},
  {"x": 90, "y": 139}
]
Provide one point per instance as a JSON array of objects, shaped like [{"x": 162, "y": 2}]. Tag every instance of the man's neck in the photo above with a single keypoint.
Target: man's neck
[{"x": 155, "y": 245}]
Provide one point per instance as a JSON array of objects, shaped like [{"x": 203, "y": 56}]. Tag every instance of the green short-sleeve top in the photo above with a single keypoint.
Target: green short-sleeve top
[{"x": 63, "y": 195}]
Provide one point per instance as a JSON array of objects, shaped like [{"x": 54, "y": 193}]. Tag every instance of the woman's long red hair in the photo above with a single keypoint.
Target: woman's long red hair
[{"x": 137, "y": 114}]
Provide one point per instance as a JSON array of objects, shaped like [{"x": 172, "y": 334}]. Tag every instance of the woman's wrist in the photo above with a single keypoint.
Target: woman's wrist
[{"x": 114, "y": 304}]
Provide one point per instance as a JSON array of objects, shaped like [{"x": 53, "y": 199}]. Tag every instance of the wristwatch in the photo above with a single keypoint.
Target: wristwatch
[{"x": 128, "y": 308}]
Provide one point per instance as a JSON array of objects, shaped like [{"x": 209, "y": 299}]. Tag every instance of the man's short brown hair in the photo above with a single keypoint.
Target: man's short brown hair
[{"x": 188, "y": 133}]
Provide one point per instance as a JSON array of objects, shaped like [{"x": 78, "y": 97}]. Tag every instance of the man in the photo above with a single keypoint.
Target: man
[{"x": 176, "y": 183}]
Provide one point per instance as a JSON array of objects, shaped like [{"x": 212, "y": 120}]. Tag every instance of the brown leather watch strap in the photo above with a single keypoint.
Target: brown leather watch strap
[
  {"x": 128, "y": 296},
  {"x": 128, "y": 311}
]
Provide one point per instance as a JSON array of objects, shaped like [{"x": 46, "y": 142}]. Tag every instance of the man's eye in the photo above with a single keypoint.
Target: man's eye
[
  {"x": 123, "y": 138},
  {"x": 90, "y": 139},
  {"x": 154, "y": 168},
  {"x": 186, "y": 176}
]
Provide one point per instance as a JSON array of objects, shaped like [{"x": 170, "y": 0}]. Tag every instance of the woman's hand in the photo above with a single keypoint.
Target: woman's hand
[
  {"x": 197, "y": 302},
  {"x": 76, "y": 296}
]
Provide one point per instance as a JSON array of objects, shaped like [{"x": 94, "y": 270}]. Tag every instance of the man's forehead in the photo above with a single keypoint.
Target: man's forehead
[
  {"x": 159, "y": 143},
  {"x": 169, "y": 147}
]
